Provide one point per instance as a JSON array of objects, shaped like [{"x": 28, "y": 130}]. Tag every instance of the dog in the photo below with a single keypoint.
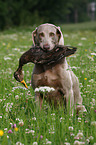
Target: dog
[{"x": 56, "y": 75}]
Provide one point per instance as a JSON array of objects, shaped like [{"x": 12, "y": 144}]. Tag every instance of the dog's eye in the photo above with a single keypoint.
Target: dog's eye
[
  {"x": 51, "y": 34},
  {"x": 41, "y": 34}
]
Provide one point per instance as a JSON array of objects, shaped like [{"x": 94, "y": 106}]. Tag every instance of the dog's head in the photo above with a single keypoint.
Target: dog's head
[{"x": 47, "y": 36}]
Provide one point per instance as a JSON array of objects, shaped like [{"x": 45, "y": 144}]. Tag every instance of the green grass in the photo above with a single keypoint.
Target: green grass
[{"x": 19, "y": 104}]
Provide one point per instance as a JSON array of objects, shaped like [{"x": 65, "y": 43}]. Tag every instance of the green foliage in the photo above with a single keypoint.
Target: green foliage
[{"x": 30, "y": 12}]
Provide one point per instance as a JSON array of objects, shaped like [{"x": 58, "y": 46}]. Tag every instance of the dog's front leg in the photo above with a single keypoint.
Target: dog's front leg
[
  {"x": 70, "y": 100},
  {"x": 38, "y": 100}
]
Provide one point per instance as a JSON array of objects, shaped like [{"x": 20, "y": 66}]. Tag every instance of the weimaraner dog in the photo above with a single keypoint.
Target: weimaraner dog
[{"x": 56, "y": 75}]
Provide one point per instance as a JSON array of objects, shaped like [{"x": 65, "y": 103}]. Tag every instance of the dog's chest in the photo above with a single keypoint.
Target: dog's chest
[{"x": 47, "y": 78}]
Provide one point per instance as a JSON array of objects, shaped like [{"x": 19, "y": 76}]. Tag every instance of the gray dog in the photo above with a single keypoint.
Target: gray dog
[{"x": 56, "y": 75}]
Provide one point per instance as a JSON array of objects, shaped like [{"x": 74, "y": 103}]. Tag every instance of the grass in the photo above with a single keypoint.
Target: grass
[{"x": 17, "y": 105}]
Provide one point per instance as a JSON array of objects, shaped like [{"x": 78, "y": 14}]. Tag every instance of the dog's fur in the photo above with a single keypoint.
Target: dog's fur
[{"x": 56, "y": 75}]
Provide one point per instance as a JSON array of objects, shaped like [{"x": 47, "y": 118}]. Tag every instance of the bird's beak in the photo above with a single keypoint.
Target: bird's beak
[{"x": 23, "y": 82}]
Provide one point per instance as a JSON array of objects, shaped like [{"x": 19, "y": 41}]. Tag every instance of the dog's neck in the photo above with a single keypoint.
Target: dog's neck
[{"x": 50, "y": 66}]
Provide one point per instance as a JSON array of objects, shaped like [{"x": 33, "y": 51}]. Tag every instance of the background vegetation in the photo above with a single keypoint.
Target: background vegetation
[{"x": 30, "y": 12}]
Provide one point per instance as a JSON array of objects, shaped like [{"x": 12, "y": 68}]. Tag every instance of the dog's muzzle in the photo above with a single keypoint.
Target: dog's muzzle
[{"x": 46, "y": 47}]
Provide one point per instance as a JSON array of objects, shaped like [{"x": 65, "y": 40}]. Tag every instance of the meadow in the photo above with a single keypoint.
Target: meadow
[{"x": 21, "y": 121}]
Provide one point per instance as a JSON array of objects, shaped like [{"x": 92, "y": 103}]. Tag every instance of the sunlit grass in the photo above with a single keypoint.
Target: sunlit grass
[{"x": 18, "y": 106}]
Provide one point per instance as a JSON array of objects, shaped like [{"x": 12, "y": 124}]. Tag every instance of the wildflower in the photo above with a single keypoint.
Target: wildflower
[
  {"x": 48, "y": 142},
  {"x": 34, "y": 118},
  {"x": 35, "y": 143},
  {"x": 76, "y": 137},
  {"x": 14, "y": 126},
  {"x": 86, "y": 121},
  {"x": 70, "y": 128},
  {"x": 93, "y": 123},
  {"x": 7, "y": 58},
  {"x": 8, "y": 106},
  {"x": 19, "y": 143},
  {"x": 1, "y": 132},
  {"x": 76, "y": 142},
  {"x": 91, "y": 138},
  {"x": 83, "y": 38},
  {"x": 16, "y": 97},
  {"x": 32, "y": 131},
  {"x": 10, "y": 131},
  {"x": 93, "y": 54},
  {"x": 93, "y": 101},
  {"x": 67, "y": 143},
  {"x": 71, "y": 134},
  {"x": 44, "y": 89},
  {"x": 80, "y": 44},
  {"x": 41, "y": 136},
  {"x": 79, "y": 119},
  {"x": 80, "y": 135},
  {"x": 85, "y": 79},
  {"x": 85, "y": 49},
  {"x": 21, "y": 123},
  {"x": 16, "y": 129}
]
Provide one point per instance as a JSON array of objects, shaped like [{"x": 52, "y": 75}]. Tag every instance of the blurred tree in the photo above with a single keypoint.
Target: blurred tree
[
  {"x": 78, "y": 10},
  {"x": 29, "y": 12}
]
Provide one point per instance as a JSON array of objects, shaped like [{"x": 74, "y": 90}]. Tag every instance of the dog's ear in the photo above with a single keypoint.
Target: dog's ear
[
  {"x": 34, "y": 36},
  {"x": 60, "y": 36},
  {"x": 70, "y": 50}
]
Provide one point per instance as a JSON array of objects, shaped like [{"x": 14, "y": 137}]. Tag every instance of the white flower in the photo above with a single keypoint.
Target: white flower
[
  {"x": 91, "y": 138},
  {"x": 83, "y": 38},
  {"x": 91, "y": 58},
  {"x": 44, "y": 89},
  {"x": 7, "y": 58},
  {"x": 8, "y": 106},
  {"x": 93, "y": 123},
  {"x": 17, "y": 97},
  {"x": 93, "y": 101},
  {"x": 48, "y": 142},
  {"x": 67, "y": 143},
  {"x": 80, "y": 44},
  {"x": 19, "y": 87},
  {"x": 80, "y": 135},
  {"x": 79, "y": 119},
  {"x": 93, "y": 53},
  {"x": 21, "y": 123},
  {"x": 19, "y": 143},
  {"x": 76, "y": 142},
  {"x": 34, "y": 118},
  {"x": 32, "y": 131},
  {"x": 70, "y": 128},
  {"x": 0, "y": 100},
  {"x": 37, "y": 90},
  {"x": 35, "y": 143}
]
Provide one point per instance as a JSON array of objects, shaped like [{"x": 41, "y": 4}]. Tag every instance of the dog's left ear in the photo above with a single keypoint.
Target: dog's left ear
[
  {"x": 60, "y": 36},
  {"x": 34, "y": 37}
]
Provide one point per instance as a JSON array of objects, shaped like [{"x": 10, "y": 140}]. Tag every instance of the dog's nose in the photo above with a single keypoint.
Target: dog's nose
[{"x": 46, "y": 47}]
